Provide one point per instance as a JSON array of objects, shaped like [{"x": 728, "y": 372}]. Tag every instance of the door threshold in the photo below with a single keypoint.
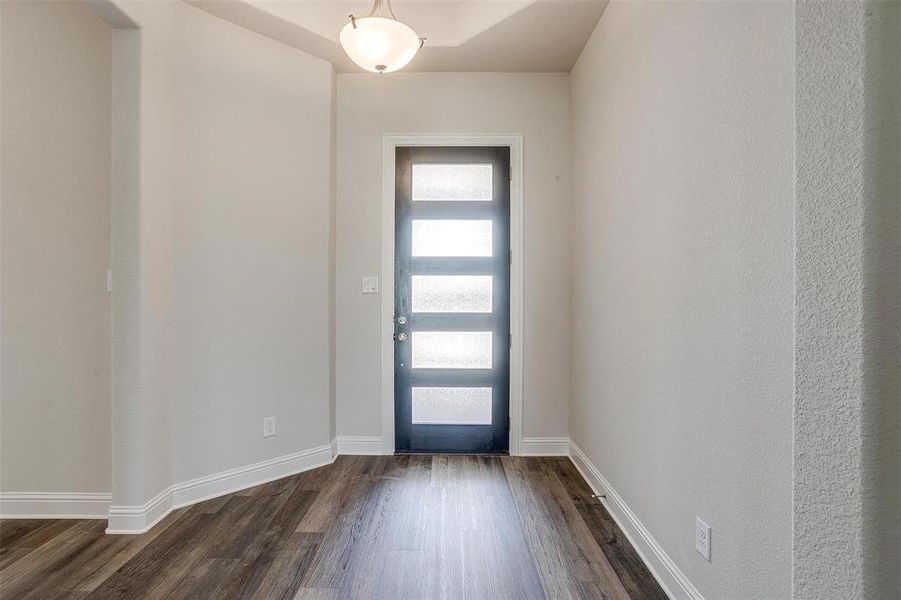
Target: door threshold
[{"x": 451, "y": 452}]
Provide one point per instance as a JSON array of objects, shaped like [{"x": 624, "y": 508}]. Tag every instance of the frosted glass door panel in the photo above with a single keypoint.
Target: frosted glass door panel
[
  {"x": 451, "y": 349},
  {"x": 454, "y": 183},
  {"x": 452, "y": 406},
  {"x": 451, "y": 293},
  {"x": 451, "y": 237}
]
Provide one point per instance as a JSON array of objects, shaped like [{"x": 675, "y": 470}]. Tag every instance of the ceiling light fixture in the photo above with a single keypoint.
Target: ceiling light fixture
[{"x": 379, "y": 42}]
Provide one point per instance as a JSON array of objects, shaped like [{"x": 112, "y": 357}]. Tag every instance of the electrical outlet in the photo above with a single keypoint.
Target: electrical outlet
[
  {"x": 702, "y": 538},
  {"x": 268, "y": 426}
]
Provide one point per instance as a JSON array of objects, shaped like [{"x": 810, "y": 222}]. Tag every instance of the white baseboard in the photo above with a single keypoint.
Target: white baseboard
[
  {"x": 138, "y": 519},
  {"x": 671, "y": 578},
  {"x": 54, "y": 505},
  {"x": 545, "y": 446},
  {"x": 360, "y": 444}
]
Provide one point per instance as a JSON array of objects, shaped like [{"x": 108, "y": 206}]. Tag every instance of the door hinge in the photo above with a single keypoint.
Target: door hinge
[
  {"x": 510, "y": 340},
  {"x": 510, "y": 256}
]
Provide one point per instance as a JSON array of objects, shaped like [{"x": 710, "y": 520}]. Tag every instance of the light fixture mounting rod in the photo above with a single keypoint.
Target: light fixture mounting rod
[{"x": 378, "y": 9}]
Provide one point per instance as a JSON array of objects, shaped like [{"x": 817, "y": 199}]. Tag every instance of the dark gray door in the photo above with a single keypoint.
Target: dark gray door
[{"x": 452, "y": 299}]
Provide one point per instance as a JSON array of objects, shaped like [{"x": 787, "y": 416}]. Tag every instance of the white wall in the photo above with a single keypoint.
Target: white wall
[
  {"x": 333, "y": 259},
  {"x": 55, "y": 248},
  {"x": 682, "y": 279},
  {"x": 250, "y": 247},
  {"x": 536, "y": 105},
  {"x": 224, "y": 246}
]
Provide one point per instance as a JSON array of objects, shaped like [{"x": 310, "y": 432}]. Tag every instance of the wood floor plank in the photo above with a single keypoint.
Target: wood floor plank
[
  {"x": 605, "y": 578},
  {"x": 264, "y": 553},
  {"x": 345, "y": 531},
  {"x": 92, "y": 548},
  {"x": 40, "y": 533},
  {"x": 288, "y": 568},
  {"x": 574, "y": 561},
  {"x": 161, "y": 564},
  {"x": 418, "y": 527},
  {"x": 206, "y": 578},
  {"x": 247, "y": 523},
  {"x": 12, "y": 530},
  {"x": 332, "y": 491},
  {"x": 397, "y": 508},
  {"x": 123, "y": 549},
  {"x": 516, "y": 561},
  {"x": 10, "y": 555},
  {"x": 316, "y": 594},
  {"x": 631, "y": 570},
  {"x": 548, "y": 552},
  {"x": 444, "y": 548},
  {"x": 29, "y": 571}
]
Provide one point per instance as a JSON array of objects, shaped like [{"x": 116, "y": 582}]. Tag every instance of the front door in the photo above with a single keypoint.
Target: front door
[{"x": 452, "y": 299}]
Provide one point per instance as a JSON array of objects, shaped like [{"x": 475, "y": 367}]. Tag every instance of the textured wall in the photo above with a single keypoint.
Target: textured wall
[
  {"x": 536, "y": 105},
  {"x": 829, "y": 236},
  {"x": 682, "y": 279},
  {"x": 56, "y": 78}
]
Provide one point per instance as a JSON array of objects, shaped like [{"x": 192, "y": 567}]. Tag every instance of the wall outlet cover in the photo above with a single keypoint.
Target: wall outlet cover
[
  {"x": 702, "y": 538},
  {"x": 370, "y": 284},
  {"x": 269, "y": 426}
]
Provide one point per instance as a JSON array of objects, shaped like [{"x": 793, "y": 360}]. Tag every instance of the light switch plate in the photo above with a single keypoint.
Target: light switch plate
[
  {"x": 370, "y": 284},
  {"x": 702, "y": 538}
]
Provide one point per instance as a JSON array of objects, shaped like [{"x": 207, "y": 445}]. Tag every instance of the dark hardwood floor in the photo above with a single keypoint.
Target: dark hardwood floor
[{"x": 381, "y": 527}]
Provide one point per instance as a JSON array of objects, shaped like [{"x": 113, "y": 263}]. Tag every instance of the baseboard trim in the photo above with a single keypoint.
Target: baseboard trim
[
  {"x": 138, "y": 519},
  {"x": 54, "y": 505},
  {"x": 334, "y": 446},
  {"x": 544, "y": 446},
  {"x": 671, "y": 578},
  {"x": 370, "y": 445}
]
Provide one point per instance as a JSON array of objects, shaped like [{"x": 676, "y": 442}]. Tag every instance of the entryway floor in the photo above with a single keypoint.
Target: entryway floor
[{"x": 366, "y": 527}]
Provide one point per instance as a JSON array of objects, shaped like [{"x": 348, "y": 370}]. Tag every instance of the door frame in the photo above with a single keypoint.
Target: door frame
[{"x": 389, "y": 143}]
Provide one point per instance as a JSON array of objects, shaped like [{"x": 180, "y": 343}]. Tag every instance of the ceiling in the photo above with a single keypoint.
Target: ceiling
[{"x": 462, "y": 35}]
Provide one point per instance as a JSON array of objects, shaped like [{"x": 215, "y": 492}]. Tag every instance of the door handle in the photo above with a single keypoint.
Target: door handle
[{"x": 400, "y": 337}]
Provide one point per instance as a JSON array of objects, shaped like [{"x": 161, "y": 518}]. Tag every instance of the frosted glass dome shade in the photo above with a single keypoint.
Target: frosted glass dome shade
[{"x": 378, "y": 44}]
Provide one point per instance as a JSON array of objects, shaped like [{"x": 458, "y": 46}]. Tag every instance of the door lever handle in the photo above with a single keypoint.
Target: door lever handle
[{"x": 400, "y": 337}]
